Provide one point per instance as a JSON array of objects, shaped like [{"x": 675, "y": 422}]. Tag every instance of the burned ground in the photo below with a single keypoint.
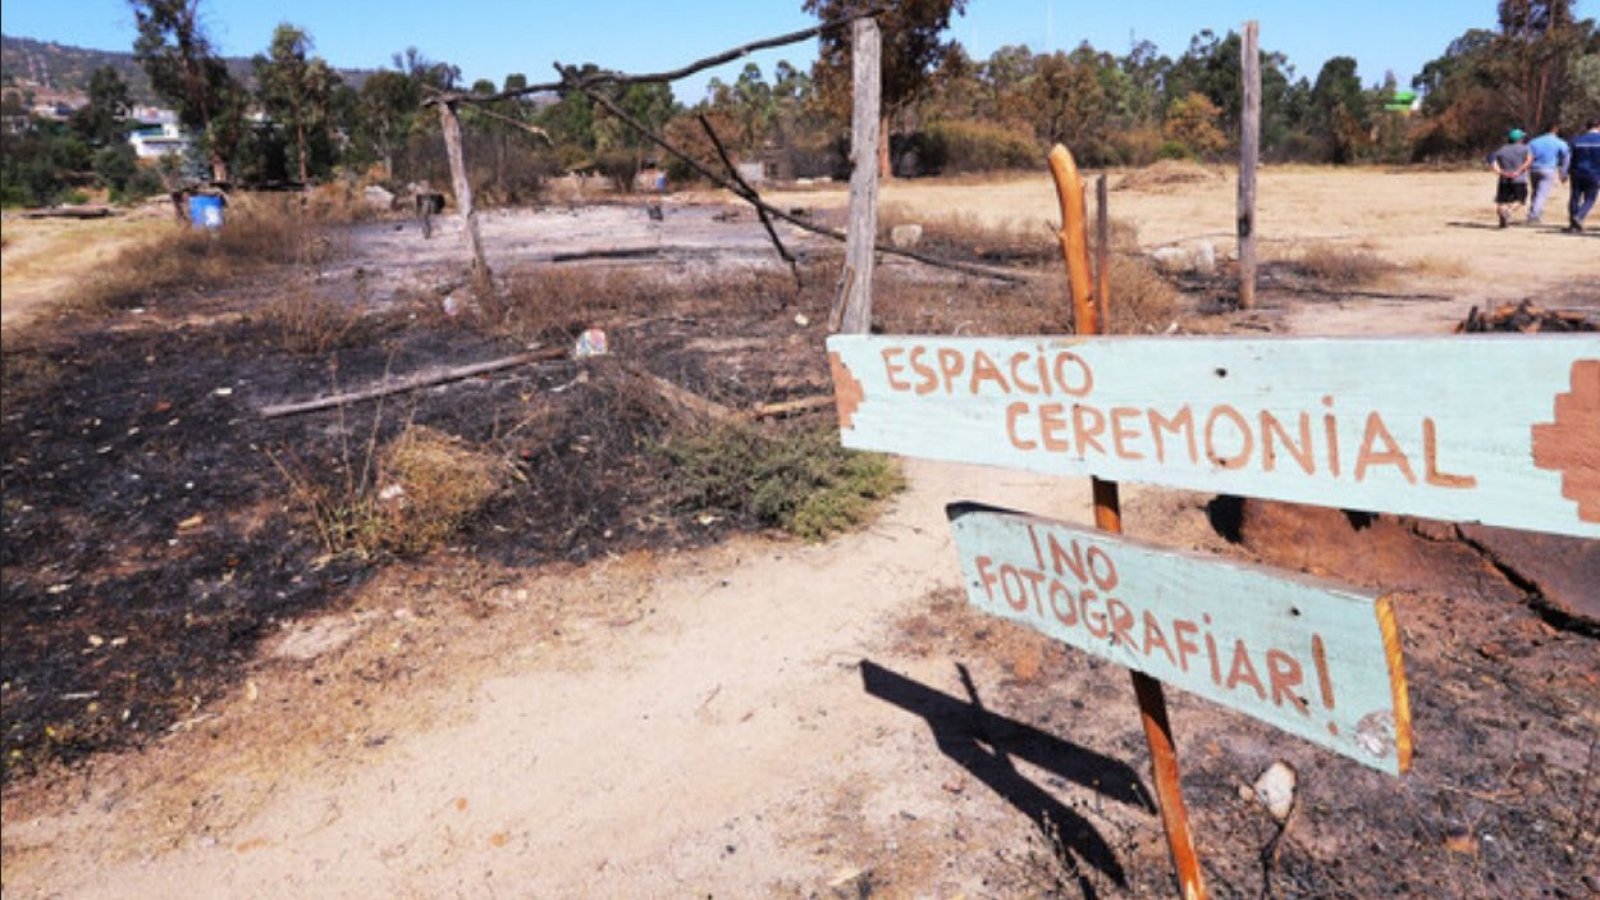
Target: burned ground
[
  {"x": 153, "y": 543},
  {"x": 152, "y": 535}
]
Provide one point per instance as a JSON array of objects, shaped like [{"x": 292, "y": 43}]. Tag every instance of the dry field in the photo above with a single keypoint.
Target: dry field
[{"x": 592, "y": 692}]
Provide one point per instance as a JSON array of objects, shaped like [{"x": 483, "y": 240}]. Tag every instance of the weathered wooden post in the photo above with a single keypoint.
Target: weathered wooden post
[
  {"x": 450, "y": 124},
  {"x": 852, "y": 308},
  {"x": 1249, "y": 151},
  {"x": 1089, "y": 318}
]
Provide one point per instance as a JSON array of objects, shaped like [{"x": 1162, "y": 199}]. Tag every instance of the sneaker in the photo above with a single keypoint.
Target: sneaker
[{"x": 1505, "y": 218}]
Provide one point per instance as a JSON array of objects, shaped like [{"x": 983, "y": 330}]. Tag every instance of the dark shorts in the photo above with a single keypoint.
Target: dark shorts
[{"x": 1511, "y": 192}]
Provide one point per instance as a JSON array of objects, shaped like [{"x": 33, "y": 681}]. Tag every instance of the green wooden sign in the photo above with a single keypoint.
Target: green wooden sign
[
  {"x": 1503, "y": 430},
  {"x": 1305, "y": 655}
]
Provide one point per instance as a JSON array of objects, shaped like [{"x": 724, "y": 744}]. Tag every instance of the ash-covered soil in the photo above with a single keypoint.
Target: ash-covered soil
[{"x": 152, "y": 545}]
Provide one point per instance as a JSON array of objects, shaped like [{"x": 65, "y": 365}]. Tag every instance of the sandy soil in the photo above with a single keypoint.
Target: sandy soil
[
  {"x": 772, "y": 719},
  {"x": 43, "y": 258}
]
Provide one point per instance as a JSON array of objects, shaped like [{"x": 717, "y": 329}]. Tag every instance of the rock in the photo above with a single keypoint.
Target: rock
[
  {"x": 1275, "y": 790},
  {"x": 377, "y": 198},
  {"x": 1170, "y": 259},
  {"x": 905, "y": 236},
  {"x": 1199, "y": 257}
]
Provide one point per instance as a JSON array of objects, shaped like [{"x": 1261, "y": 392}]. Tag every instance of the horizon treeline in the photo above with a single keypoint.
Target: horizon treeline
[{"x": 297, "y": 121}]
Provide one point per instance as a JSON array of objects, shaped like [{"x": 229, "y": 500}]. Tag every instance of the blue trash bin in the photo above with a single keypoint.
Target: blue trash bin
[{"x": 205, "y": 211}]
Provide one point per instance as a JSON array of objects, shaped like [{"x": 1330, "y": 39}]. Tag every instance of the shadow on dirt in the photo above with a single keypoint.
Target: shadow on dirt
[{"x": 983, "y": 743}]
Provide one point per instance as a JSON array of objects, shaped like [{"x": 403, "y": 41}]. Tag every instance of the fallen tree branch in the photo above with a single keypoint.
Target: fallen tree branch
[
  {"x": 619, "y": 253},
  {"x": 791, "y": 407},
  {"x": 684, "y": 398},
  {"x": 422, "y": 380}
]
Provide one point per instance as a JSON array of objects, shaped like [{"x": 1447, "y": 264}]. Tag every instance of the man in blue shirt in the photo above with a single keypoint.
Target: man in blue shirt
[
  {"x": 1585, "y": 170},
  {"x": 1550, "y": 158}
]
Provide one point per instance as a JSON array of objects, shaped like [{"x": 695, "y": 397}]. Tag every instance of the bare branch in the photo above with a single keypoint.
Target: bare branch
[
  {"x": 571, "y": 82},
  {"x": 803, "y": 225},
  {"x": 534, "y": 130},
  {"x": 750, "y": 193}
]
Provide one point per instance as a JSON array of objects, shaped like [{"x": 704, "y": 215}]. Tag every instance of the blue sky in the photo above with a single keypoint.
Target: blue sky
[{"x": 491, "y": 38}]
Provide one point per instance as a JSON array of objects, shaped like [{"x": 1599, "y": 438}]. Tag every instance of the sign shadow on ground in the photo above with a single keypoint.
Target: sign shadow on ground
[{"x": 984, "y": 743}]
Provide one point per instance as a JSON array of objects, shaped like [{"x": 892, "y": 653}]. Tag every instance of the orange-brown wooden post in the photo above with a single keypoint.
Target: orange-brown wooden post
[{"x": 1088, "y": 316}]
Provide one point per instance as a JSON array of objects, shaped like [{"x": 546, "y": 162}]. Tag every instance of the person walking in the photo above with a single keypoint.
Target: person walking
[
  {"x": 1511, "y": 164},
  {"x": 1550, "y": 158},
  {"x": 1585, "y": 174}
]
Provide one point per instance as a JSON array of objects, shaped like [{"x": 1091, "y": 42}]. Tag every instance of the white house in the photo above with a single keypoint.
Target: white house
[{"x": 156, "y": 141}]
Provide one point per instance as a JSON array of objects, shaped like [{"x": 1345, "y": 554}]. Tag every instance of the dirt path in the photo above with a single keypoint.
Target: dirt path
[
  {"x": 44, "y": 259},
  {"x": 694, "y": 752}
]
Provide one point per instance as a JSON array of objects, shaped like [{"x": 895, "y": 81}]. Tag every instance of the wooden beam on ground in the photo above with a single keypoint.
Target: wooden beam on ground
[
  {"x": 412, "y": 383},
  {"x": 791, "y": 407}
]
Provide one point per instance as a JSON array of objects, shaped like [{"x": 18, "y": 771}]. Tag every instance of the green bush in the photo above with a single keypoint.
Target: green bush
[
  {"x": 797, "y": 479},
  {"x": 1173, "y": 150},
  {"x": 954, "y": 147}
]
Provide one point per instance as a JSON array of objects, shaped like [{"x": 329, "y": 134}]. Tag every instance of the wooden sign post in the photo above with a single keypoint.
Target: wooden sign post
[
  {"x": 1089, "y": 317},
  {"x": 1306, "y": 655},
  {"x": 1495, "y": 429},
  {"x": 1499, "y": 430}
]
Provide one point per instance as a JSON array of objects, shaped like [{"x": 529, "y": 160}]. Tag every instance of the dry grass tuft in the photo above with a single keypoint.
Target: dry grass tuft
[
  {"x": 553, "y": 303},
  {"x": 1142, "y": 301},
  {"x": 1341, "y": 266},
  {"x": 1167, "y": 175},
  {"x": 1440, "y": 267},
  {"x": 311, "y": 323},
  {"x": 966, "y": 236},
  {"x": 429, "y": 485},
  {"x": 416, "y": 492},
  {"x": 257, "y": 234}
]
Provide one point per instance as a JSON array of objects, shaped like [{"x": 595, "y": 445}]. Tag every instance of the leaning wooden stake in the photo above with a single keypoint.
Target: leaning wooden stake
[
  {"x": 1249, "y": 150},
  {"x": 414, "y": 382},
  {"x": 852, "y": 309},
  {"x": 482, "y": 281},
  {"x": 1088, "y": 318}
]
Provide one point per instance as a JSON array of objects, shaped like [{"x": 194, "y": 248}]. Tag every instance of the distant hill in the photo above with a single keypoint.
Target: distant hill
[{"x": 66, "y": 69}]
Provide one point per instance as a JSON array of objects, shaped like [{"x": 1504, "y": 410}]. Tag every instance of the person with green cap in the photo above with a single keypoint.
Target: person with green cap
[{"x": 1510, "y": 164}]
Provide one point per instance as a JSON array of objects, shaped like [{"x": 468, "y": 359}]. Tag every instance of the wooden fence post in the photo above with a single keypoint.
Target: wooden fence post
[
  {"x": 1089, "y": 318},
  {"x": 450, "y": 124},
  {"x": 1249, "y": 151},
  {"x": 852, "y": 309}
]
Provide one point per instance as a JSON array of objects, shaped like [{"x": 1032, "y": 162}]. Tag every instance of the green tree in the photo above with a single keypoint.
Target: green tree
[
  {"x": 1066, "y": 99},
  {"x": 297, "y": 93},
  {"x": 620, "y": 149},
  {"x": 756, "y": 105},
  {"x": 1339, "y": 109},
  {"x": 176, "y": 53},
  {"x": 1539, "y": 40},
  {"x": 100, "y": 121},
  {"x": 1192, "y": 123},
  {"x": 912, "y": 45}
]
